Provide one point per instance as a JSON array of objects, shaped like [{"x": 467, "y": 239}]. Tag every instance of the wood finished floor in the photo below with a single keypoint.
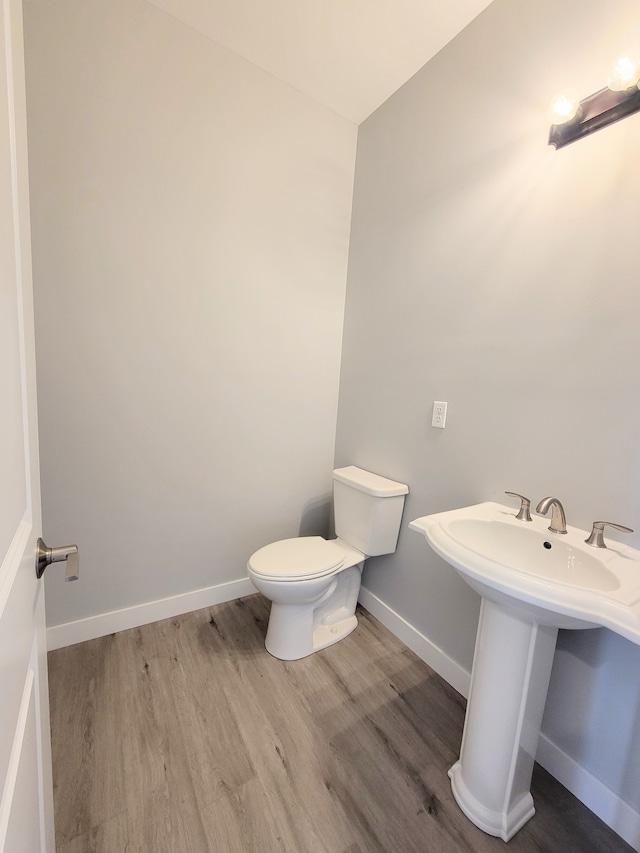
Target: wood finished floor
[{"x": 185, "y": 736}]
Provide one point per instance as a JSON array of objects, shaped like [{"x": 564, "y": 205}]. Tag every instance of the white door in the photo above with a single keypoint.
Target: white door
[{"x": 26, "y": 796}]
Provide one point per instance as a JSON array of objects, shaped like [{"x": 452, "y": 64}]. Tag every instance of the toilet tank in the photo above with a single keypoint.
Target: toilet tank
[{"x": 368, "y": 510}]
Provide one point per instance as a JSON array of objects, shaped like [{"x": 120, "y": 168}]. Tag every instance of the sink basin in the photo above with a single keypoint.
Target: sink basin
[
  {"x": 532, "y": 582},
  {"x": 533, "y": 551},
  {"x": 560, "y": 579}
]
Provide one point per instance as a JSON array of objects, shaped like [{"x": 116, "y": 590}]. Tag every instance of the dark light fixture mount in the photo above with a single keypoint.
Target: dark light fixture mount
[{"x": 595, "y": 112}]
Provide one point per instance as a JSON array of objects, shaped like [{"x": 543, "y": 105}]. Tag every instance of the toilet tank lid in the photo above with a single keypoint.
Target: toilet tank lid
[{"x": 370, "y": 483}]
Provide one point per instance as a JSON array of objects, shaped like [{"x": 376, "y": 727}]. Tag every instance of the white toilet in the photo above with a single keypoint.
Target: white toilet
[{"x": 314, "y": 583}]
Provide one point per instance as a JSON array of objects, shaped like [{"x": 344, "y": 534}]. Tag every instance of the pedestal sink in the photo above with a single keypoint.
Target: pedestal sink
[{"x": 532, "y": 582}]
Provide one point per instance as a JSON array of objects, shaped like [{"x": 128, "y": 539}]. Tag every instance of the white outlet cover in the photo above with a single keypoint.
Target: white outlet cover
[{"x": 439, "y": 417}]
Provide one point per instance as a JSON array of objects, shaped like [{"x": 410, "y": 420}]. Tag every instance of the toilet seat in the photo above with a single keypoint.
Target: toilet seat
[{"x": 297, "y": 559}]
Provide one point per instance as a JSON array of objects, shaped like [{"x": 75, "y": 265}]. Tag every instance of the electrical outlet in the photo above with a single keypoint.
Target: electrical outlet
[{"x": 439, "y": 418}]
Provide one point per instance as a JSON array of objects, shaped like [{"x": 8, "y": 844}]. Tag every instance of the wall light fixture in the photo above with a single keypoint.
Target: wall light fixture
[{"x": 572, "y": 119}]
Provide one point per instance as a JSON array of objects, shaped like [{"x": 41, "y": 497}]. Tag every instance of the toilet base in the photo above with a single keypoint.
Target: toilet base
[
  {"x": 284, "y": 638},
  {"x": 326, "y": 635}
]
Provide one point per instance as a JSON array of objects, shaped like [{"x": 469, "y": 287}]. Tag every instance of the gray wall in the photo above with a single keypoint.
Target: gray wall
[
  {"x": 190, "y": 237},
  {"x": 490, "y": 271}
]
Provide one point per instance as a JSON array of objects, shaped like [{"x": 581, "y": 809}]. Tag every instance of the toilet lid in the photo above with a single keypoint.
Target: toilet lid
[{"x": 296, "y": 559}]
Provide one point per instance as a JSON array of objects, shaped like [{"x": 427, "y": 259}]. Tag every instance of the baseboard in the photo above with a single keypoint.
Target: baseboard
[
  {"x": 596, "y": 796},
  {"x": 81, "y": 630},
  {"x": 452, "y": 672}
]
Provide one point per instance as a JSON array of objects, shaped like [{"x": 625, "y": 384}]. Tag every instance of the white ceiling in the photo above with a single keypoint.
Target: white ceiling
[{"x": 349, "y": 55}]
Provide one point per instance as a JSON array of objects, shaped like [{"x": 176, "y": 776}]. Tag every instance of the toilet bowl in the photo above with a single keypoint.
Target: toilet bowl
[{"x": 313, "y": 583}]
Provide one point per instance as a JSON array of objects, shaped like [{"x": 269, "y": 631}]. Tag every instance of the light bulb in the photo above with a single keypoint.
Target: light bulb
[
  {"x": 564, "y": 107},
  {"x": 626, "y": 72}
]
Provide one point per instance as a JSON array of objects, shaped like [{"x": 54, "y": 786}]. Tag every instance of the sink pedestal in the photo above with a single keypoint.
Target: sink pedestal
[{"x": 509, "y": 682}]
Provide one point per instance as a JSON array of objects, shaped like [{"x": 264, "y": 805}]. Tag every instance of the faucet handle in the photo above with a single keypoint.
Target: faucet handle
[
  {"x": 596, "y": 537},
  {"x": 524, "y": 514}
]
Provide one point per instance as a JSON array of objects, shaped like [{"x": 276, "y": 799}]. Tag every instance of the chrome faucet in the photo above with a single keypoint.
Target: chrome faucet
[
  {"x": 523, "y": 514},
  {"x": 596, "y": 537},
  {"x": 558, "y": 519}
]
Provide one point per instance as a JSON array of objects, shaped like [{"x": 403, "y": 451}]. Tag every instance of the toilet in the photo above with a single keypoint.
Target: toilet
[{"x": 313, "y": 583}]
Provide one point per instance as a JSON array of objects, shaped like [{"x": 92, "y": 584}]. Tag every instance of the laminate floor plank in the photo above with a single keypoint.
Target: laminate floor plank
[
  {"x": 156, "y": 774},
  {"x": 283, "y": 740},
  {"x": 186, "y": 736}
]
